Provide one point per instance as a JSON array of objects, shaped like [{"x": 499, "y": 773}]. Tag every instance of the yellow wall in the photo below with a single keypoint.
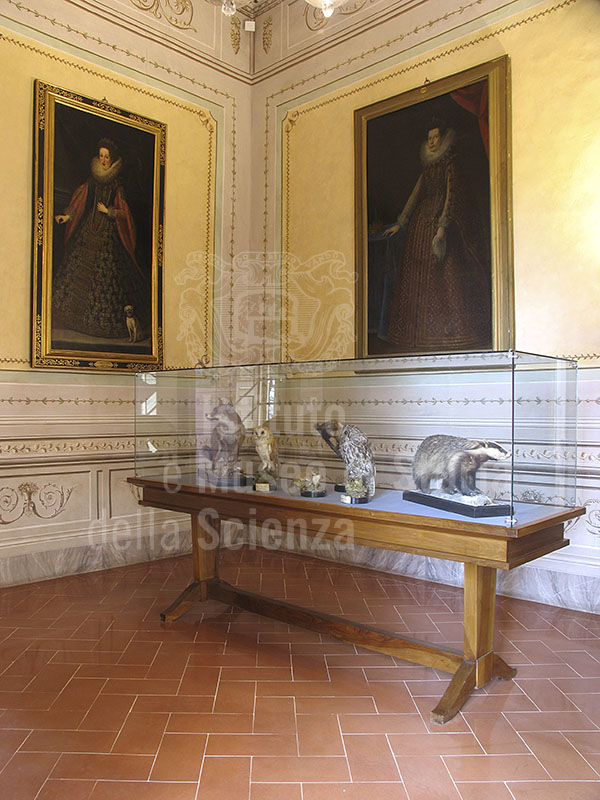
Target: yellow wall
[
  {"x": 553, "y": 51},
  {"x": 554, "y": 55},
  {"x": 189, "y": 194}
]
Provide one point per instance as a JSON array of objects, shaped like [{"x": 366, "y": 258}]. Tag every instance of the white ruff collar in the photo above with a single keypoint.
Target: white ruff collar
[
  {"x": 446, "y": 142},
  {"x": 105, "y": 175}
]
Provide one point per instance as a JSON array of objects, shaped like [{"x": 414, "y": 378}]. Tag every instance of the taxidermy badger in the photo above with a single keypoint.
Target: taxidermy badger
[
  {"x": 454, "y": 461},
  {"x": 352, "y": 446}
]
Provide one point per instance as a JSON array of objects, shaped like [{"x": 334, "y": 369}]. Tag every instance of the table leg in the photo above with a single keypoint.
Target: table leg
[
  {"x": 205, "y": 548},
  {"x": 480, "y": 606},
  {"x": 481, "y": 664}
]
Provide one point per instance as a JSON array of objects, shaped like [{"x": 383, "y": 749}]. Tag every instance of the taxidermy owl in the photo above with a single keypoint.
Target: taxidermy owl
[
  {"x": 266, "y": 447},
  {"x": 315, "y": 480},
  {"x": 353, "y": 447}
]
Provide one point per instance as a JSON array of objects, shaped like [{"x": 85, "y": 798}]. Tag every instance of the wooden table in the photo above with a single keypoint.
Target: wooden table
[{"x": 387, "y": 522}]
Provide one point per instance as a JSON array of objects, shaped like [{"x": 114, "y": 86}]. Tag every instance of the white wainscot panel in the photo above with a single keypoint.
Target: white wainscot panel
[
  {"x": 43, "y": 503},
  {"x": 129, "y": 526}
]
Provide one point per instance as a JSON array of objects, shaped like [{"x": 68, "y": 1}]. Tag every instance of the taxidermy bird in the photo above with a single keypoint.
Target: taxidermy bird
[
  {"x": 315, "y": 480},
  {"x": 266, "y": 447},
  {"x": 353, "y": 447}
]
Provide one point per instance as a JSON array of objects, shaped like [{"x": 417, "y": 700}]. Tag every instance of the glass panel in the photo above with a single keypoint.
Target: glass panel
[
  {"x": 545, "y": 436},
  {"x": 196, "y": 426}
]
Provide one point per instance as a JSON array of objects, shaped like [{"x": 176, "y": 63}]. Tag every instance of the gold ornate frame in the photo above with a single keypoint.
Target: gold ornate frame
[
  {"x": 68, "y": 129},
  {"x": 406, "y": 108}
]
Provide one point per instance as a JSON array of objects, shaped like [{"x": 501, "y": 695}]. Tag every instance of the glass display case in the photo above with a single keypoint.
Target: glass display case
[
  {"x": 393, "y": 454},
  {"x": 436, "y": 430}
]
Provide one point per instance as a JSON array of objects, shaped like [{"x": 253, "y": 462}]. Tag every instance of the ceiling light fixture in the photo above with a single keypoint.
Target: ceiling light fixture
[
  {"x": 327, "y": 7},
  {"x": 229, "y": 7}
]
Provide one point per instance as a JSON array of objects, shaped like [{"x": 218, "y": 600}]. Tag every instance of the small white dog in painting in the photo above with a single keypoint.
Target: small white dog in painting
[{"x": 134, "y": 328}]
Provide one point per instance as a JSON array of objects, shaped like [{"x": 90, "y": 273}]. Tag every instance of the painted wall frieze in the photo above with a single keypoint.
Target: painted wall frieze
[
  {"x": 31, "y": 500},
  {"x": 71, "y": 447},
  {"x": 267, "y": 34},
  {"x": 592, "y": 518},
  {"x": 235, "y": 33}
]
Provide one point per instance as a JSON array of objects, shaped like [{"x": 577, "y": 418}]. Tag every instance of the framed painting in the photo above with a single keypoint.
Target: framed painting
[
  {"x": 97, "y": 234},
  {"x": 433, "y": 235}
]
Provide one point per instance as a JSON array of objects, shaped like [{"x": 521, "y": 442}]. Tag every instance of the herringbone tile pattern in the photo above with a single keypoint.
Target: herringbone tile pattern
[{"x": 100, "y": 701}]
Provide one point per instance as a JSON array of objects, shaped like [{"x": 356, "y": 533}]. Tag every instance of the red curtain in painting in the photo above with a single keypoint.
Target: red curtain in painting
[{"x": 474, "y": 98}]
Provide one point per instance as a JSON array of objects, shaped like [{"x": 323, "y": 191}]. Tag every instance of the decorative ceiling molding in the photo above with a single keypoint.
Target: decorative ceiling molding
[
  {"x": 315, "y": 19},
  {"x": 396, "y": 15},
  {"x": 179, "y": 41},
  {"x": 178, "y": 13},
  {"x": 168, "y": 25},
  {"x": 173, "y": 25},
  {"x": 255, "y": 7}
]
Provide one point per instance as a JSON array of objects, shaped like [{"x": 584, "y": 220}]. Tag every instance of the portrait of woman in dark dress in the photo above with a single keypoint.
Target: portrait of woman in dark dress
[
  {"x": 99, "y": 286},
  {"x": 442, "y": 295}
]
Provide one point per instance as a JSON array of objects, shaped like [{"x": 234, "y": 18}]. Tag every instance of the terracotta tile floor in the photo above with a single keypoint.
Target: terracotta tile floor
[{"x": 100, "y": 701}]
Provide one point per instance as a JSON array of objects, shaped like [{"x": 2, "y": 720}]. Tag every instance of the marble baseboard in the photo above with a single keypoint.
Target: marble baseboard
[
  {"x": 47, "y": 564},
  {"x": 577, "y": 592}
]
